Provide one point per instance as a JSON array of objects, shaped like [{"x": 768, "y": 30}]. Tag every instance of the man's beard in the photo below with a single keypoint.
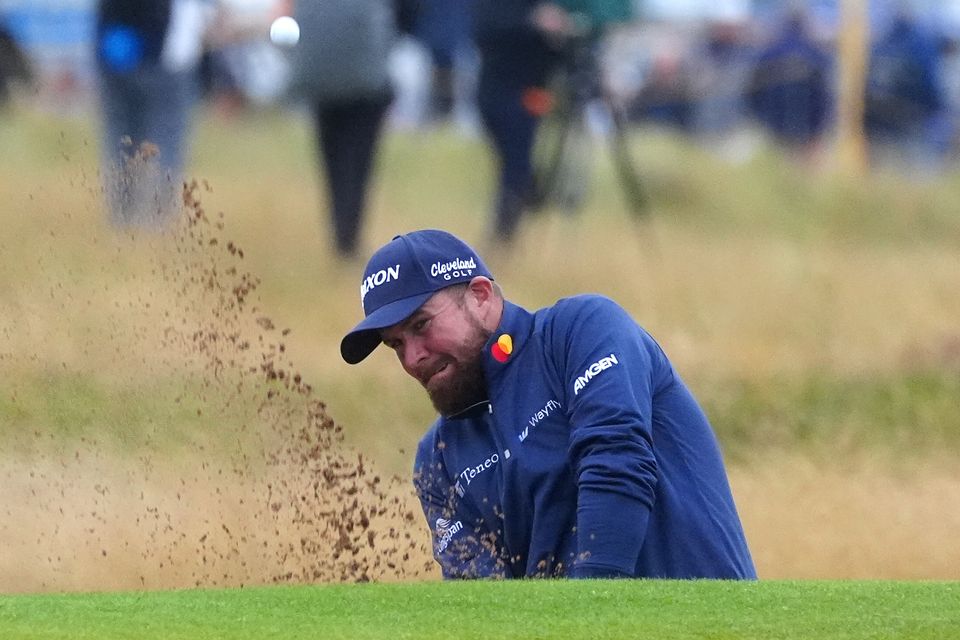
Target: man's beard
[{"x": 468, "y": 385}]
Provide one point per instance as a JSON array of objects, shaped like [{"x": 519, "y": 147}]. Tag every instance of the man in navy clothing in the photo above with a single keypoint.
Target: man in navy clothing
[
  {"x": 567, "y": 445},
  {"x": 790, "y": 87}
]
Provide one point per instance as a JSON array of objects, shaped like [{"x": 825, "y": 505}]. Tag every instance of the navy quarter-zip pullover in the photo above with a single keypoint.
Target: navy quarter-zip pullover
[{"x": 591, "y": 459}]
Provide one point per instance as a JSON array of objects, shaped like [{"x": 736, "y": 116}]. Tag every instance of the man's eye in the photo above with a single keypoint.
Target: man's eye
[{"x": 420, "y": 325}]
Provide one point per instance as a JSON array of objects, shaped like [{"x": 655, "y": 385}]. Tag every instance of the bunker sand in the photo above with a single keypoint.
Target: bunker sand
[
  {"x": 263, "y": 490},
  {"x": 93, "y": 523}
]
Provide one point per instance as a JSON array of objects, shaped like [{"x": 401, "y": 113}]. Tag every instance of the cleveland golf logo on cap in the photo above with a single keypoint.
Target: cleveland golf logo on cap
[{"x": 457, "y": 268}]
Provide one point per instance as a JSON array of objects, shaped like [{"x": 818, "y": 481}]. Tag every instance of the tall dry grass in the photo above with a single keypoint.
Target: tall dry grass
[{"x": 751, "y": 276}]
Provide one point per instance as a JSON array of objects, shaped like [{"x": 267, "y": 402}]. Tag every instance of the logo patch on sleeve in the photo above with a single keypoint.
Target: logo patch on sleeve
[
  {"x": 600, "y": 365},
  {"x": 445, "y": 532}
]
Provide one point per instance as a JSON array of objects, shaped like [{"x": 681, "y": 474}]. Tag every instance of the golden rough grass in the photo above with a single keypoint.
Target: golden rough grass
[
  {"x": 727, "y": 301},
  {"x": 852, "y": 520}
]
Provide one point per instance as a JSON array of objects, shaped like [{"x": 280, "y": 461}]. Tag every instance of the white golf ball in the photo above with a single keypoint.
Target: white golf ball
[{"x": 285, "y": 32}]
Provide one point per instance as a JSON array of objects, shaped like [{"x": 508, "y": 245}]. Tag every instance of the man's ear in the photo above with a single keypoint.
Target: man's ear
[
  {"x": 483, "y": 297},
  {"x": 480, "y": 290}
]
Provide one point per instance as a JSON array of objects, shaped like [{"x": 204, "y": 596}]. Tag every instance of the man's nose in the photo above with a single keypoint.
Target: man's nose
[{"x": 414, "y": 352}]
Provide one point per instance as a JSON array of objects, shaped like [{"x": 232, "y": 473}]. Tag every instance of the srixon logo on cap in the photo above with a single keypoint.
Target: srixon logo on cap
[{"x": 374, "y": 280}]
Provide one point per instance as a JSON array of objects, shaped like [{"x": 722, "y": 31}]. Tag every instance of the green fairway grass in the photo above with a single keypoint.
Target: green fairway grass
[{"x": 661, "y": 610}]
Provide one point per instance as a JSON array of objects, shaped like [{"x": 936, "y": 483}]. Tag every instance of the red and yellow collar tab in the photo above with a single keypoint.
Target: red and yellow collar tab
[{"x": 502, "y": 348}]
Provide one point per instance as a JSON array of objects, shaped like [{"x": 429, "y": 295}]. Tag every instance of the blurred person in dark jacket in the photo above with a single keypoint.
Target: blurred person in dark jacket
[
  {"x": 904, "y": 97},
  {"x": 147, "y": 52},
  {"x": 340, "y": 69},
  {"x": 789, "y": 89},
  {"x": 949, "y": 131},
  {"x": 14, "y": 66},
  {"x": 721, "y": 70},
  {"x": 666, "y": 97},
  {"x": 519, "y": 47},
  {"x": 444, "y": 28},
  {"x": 522, "y": 44}
]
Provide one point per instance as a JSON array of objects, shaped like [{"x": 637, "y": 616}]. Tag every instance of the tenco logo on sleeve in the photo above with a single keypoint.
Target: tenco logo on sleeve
[
  {"x": 600, "y": 365},
  {"x": 471, "y": 472}
]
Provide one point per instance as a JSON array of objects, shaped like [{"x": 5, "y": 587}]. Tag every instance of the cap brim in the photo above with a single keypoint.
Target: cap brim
[{"x": 365, "y": 337}]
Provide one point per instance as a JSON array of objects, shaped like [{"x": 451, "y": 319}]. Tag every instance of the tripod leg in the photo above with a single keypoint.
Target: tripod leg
[
  {"x": 548, "y": 148},
  {"x": 633, "y": 189}
]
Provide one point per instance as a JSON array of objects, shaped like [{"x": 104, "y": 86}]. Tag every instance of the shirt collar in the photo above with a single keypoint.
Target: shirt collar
[
  {"x": 509, "y": 338},
  {"x": 517, "y": 324}
]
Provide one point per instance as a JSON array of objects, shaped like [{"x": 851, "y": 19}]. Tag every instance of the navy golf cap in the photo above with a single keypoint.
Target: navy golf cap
[{"x": 401, "y": 276}]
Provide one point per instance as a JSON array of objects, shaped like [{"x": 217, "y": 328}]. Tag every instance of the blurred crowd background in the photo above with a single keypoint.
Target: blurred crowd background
[
  {"x": 865, "y": 84},
  {"x": 730, "y": 74},
  {"x": 721, "y": 71}
]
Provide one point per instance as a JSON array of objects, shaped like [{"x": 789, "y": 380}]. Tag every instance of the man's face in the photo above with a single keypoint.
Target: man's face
[{"x": 440, "y": 345}]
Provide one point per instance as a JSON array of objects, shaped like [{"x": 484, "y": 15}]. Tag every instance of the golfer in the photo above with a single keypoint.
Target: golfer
[{"x": 567, "y": 444}]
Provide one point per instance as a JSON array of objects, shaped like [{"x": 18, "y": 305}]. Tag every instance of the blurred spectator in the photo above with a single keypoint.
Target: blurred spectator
[
  {"x": 147, "y": 53},
  {"x": 521, "y": 45},
  {"x": 666, "y": 97},
  {"x": 444, "y": 27},
  {"x": 219, "y": 85},
  {"x": 789, "y": 89},
  {"x": 14, "y": 66},
  {"x": 340, "y": 68},
  {"x": 722, "y": 71},
  {"x": 243, "y": 67},
  {"x": 904, "y": 99},
  {"x": 950, "y": 60},
  {"x": 516, "y": 59}
]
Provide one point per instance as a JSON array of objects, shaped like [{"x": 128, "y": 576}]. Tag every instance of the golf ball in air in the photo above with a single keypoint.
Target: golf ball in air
[{"x": 284, "y": 32}]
